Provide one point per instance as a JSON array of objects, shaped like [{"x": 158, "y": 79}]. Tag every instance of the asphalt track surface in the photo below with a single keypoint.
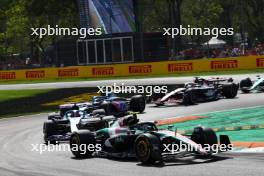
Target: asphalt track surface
[
  {"x": 127, "y": 82},
  {"x": 18, "y": 159}
]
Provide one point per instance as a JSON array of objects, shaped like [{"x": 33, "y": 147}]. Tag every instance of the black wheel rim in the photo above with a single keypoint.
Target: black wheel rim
[{"x": 143, "y": 150}]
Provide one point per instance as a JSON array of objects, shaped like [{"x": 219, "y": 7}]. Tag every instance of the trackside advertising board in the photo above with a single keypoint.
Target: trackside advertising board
[{"x": 137, "y": 69}]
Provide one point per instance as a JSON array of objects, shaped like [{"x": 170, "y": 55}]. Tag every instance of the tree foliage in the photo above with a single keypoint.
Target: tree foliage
[{"x": 18, "y": 16}]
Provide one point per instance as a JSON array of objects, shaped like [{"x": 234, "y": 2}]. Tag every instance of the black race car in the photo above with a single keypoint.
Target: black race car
[
  {"x": 113, "y": 105},
  {"x": 119, "y": 106},
  {"x": 60, "y": 129},
  {"x": 128, "y": 137},
  {"x": 89, "y": 115},
  {"x": 201, "y": 90}
]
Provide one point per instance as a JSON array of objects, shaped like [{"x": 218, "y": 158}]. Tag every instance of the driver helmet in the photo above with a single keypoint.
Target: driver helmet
[{"x": 75, "y": 107}]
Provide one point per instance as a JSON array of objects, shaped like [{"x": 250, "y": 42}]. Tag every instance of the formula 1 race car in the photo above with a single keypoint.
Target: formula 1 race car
[
  {"x": 118, "y": 106},
  {"x": 128, "y": 137},
  {"x": 201, "y": 90},
  {"x": 247, "y": 85},
  {"x": 57, "y": 130},
  {"x": 113, "y": 105}
]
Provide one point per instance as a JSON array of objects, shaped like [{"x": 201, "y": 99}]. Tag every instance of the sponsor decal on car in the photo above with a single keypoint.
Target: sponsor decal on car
[
  {"x": 35, "y": 74},
  {"x": 140, "y": 69},
  {"x": 224, "y": 64},
  {"x": 68, "y": 72},
  {"x": 180, "y": 67},
  {"x": 260, "y": 62},
  {"x": 103, "y": 71},
  {"x": 7, "y": 75}
]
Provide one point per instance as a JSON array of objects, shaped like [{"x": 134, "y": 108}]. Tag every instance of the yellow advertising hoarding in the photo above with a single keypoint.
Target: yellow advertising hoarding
[{"x": 137, "y": 69}]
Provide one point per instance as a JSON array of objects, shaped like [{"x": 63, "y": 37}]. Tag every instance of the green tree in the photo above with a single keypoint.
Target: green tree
[
  {"x": 19, "y": 16},
  {"x": 202, "y": 14}
]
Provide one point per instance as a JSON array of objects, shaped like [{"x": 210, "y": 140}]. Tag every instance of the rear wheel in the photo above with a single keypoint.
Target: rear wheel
[
  {"x": 147, "y": 149},
  {"x": 80, "y": 143},
  {"x": 137, "y": 103},
  {"x": 230, "y": 90}
]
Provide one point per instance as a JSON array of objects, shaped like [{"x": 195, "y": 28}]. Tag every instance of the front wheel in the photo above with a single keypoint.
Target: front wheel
[
  {"x": 49, "y": 129},
  {"x": 81, "y": 143},
  {"x": 147, "y": 149}
]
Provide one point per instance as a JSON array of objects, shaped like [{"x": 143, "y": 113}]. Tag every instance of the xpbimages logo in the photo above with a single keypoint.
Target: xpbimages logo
[
  {"x": 215, "y": 148},
  {"x": 83, "y": 148},
  {"x": 58, "y": 31},
  {"x": 117, "y": 89},
  {"x": 191, "y": 31}
]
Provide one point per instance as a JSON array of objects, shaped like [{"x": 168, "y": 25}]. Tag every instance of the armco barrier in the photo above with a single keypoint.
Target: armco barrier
[{"x": 136, "y": 69}]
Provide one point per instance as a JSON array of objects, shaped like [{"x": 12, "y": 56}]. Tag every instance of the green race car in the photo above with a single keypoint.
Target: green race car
[{"x": 127, "y": 137}]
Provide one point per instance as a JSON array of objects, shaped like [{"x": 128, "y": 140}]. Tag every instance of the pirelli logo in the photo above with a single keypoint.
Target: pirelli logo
[
  {"x": 260, "y": 62},
  {"x": 225, "y": 64},
  {"x": 7, "y": 75},
  {"x": 68, "y": 72},
  {"x": 180, "y": 67},
  {"x": 103, "y": 71},
  {"x": 35, "y": 74},
  {"x": 140, "y": 69}
]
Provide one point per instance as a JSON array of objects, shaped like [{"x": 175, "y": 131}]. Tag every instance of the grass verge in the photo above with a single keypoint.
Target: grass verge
[
  {"x": 257, "y": 71},
  {"x": 245, "y": 124},
  {"x": 25, "y": 102}
]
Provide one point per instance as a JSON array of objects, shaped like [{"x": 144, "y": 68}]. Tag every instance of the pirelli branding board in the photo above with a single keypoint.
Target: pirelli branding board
[
  {"x": 141, "y": 69},
  {"x": 8, "y": 75},
  {"x": 73, "y": 72},
  {"x": 103, "y": 71},
  {"x": 36, "y": 74},
  {"x": 180, "y": 67},
  {"x": 260, "y": 62},
  {"x": 224, "y": 64},
  {"x": 130, "y": 69}
]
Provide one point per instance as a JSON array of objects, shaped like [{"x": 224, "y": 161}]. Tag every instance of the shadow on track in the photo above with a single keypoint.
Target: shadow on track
[
  {"x": 166, "y": 163},
  {"x": 186, "y": 161}
]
